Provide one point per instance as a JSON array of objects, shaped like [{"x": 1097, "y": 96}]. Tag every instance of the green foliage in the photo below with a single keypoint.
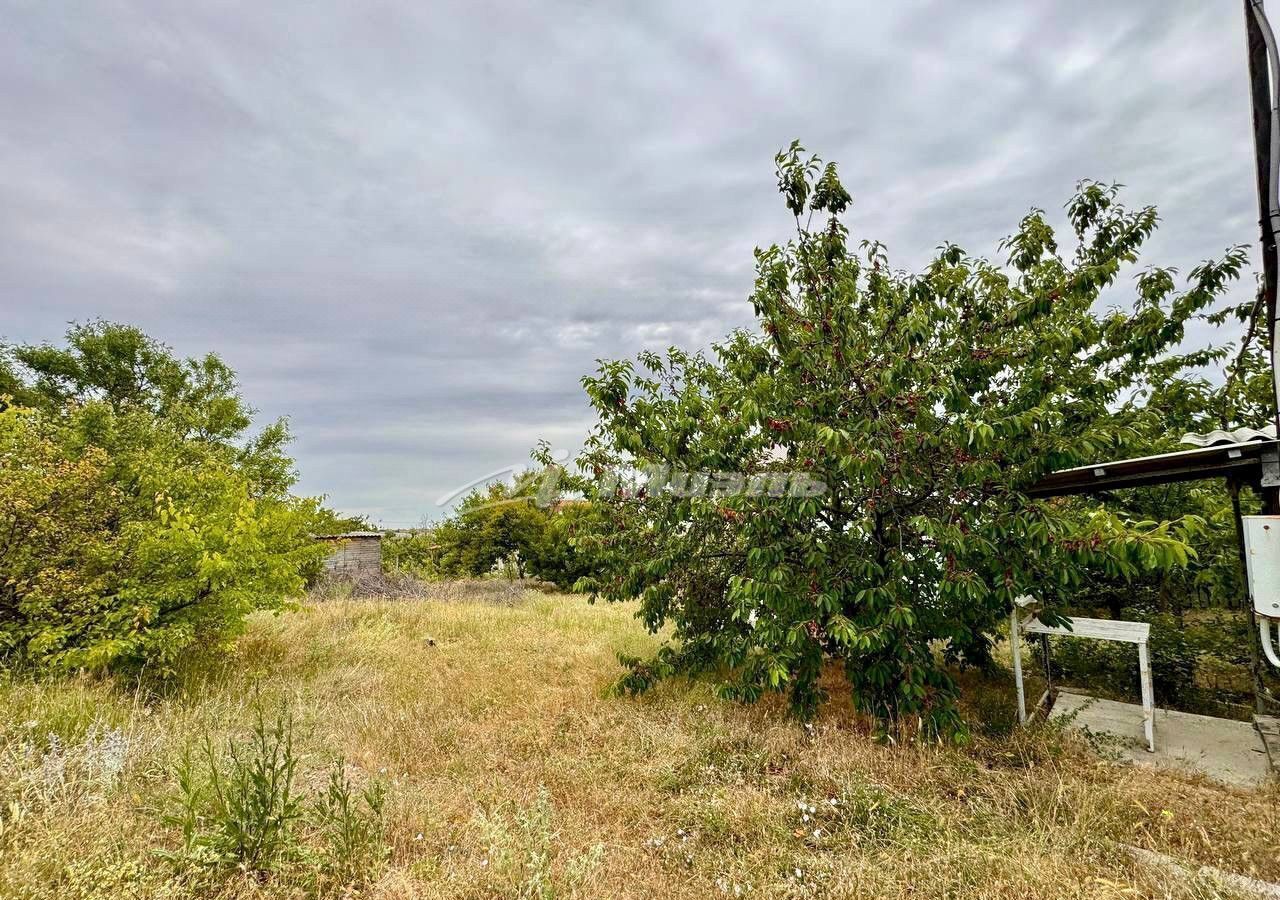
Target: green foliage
[
  {"x": 1201, "y": 661},
  {"x": 241, "y": 811},
  {"x": 1115, "y": 667},
  {"x": 350, "y": 825},
  {"x": 123, "y": 368},
  {"x": 1171, "y": 404},
  {"x": 925, "y": 405},
  {"x": 136, "y": 519},
  {"x": 517, "y": 528},
  {"x": 489, "y": 527},
  {"x": 416, "y": 553},
  {"x": 127, "y": 544}
]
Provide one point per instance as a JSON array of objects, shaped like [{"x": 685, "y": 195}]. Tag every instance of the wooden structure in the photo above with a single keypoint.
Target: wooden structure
[
  {"x": 354, "y": 553},
  {"x": 1099, "y": 629}
]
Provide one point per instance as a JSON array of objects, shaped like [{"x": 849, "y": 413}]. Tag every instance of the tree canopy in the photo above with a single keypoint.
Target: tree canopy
[
  {"x": 923, "y": 405},
  {"x": 139, "y": 518},
  {"x": 514, "y": 525}
]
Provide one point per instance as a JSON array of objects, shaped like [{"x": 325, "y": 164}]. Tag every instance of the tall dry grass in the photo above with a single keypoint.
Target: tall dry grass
[{"x": 513, "y": 773}]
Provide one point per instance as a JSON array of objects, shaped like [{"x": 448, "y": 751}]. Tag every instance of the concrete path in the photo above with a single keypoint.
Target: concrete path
[{"x": 1226, "y": 750}]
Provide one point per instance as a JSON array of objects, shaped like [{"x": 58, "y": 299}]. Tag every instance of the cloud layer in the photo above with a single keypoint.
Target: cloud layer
[{"x": 412, "y": 227}]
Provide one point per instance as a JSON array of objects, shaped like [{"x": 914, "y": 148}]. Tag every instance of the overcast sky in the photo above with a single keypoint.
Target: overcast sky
[{"x": 412, "y": 227}]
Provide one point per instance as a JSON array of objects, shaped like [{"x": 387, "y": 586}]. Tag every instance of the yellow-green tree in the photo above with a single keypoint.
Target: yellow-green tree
[{"x": 137, "y": 518}]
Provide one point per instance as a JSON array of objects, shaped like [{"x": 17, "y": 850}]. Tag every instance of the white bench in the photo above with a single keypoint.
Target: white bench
[{"x": 1101, "y": 629}]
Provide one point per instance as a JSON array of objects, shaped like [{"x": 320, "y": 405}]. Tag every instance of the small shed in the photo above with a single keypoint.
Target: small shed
[{"x": 354, "y": 553}]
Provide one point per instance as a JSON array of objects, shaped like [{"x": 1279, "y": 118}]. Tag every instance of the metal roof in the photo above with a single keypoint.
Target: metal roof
[{"x": 1254, "y": 461}]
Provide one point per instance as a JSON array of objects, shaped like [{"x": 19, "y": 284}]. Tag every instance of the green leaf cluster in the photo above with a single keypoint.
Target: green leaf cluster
[
  {"x": 519, "y": 527},
  {"x": 138, "y": 520},
  {"x": 926, "y": 403}
]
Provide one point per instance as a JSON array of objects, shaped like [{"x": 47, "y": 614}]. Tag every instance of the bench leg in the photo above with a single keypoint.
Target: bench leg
[
  {"x": 1148, "y": 696},
  {"x": 1015, "y": 643}
]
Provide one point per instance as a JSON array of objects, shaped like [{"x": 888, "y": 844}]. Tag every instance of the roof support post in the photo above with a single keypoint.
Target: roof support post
[{"x": 1265, "y": 97}]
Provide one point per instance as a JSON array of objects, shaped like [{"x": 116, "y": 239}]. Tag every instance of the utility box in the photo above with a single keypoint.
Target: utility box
[{"x": 1262, "y": 562}]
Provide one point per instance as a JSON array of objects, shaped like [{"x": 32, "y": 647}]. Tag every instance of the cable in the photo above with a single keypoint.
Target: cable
[{"x": 1264, "y": 631}]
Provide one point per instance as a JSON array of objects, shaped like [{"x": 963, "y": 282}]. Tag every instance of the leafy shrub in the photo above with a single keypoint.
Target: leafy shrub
[
  {"x": 242, "y": 809},
  {"x": 897, "y": 421},
  {"x": 350, "y": 826},
  {"x": 129, "y": 544},
  {"x": 138, "y": 518},
  {"x": 515, "y": 530},
  {"x": 416, "y": 554}
]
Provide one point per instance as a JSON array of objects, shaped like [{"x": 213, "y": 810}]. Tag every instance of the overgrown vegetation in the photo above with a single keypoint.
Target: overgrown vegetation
[
  {"x": 1201, "y": 636},
  {"x": 523, "y": 856},
  {"x": 508, "y": 773},
  {"x": 240, "y": 808},
  {"x": 923, "y": 405},
  {"x": 349, "y": 822},
  {"x": 139, "y": 518},
  {"x": 517, "y": 530}
]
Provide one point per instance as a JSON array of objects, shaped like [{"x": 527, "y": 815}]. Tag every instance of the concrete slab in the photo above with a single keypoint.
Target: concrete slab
[{"x": 1226, "y": 750}]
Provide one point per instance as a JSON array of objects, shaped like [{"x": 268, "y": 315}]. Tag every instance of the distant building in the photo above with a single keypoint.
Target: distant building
[{"x": 354, "y": 553}]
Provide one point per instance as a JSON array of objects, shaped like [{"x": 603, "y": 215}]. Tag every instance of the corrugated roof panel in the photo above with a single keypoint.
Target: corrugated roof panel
[{"x": 1219, "y": 437}]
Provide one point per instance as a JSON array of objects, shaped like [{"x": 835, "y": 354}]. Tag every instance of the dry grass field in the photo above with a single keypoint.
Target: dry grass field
[{"x": 510, "y": 771}]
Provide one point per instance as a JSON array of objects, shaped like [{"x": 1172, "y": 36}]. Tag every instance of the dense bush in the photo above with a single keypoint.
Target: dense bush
[
  {"x": 924, "y": 405},
  {"x": 137, "y": 518},
  {"x": 503, "y": 528},
  {"x": 414, "y": 553}
]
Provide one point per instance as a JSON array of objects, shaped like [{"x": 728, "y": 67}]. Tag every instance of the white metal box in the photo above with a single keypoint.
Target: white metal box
[{"x": 1262, "y": 561}]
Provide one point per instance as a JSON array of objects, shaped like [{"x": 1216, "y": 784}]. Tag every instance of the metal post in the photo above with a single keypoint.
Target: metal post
[
  {"x": 1047, "y": 655},
  {"x": 1265, "y": 101}
]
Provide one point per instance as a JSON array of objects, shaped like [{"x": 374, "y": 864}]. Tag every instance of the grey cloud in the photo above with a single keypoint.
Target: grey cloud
[{"x": 413, "y": 227}]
